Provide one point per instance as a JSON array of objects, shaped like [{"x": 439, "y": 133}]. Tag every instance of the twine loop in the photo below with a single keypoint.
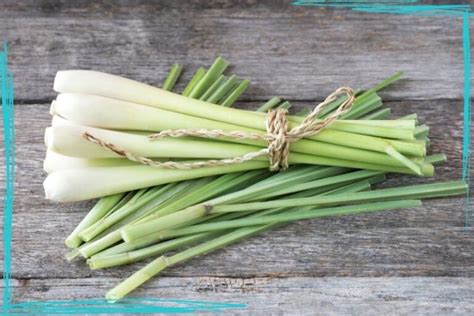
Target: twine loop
[{"x": 278, "y": 137}]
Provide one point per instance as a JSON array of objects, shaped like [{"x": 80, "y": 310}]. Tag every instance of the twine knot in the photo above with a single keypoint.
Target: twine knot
[{"x": 278, "y": 137}]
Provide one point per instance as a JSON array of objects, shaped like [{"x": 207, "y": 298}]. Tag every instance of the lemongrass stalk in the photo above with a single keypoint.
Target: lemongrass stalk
[
  {"x": 284, "y": 105},
  {"x": 412, "y": 116},
  {"x": 198, "y": 75},
  {"x": 436, "y": 158},
  {"x": 363, "y": 108},
  {"x": 68, "y": 140},
  {"x": 333, "y": 106},
  {"x": 222, "y": 90},
  {"x": 378, "y": 115},
  {"x": 172, "y": 77},
  {"x": 236, "y": 93},
  {"x": 98, "y": 211},
  {"x": 407, "y": 192},
  {"x": 339, "y": 179},
  {"x": 101, "y": 181},
  {"x": 219, "y": 81},
  {"x": 422, "y": 131},
  {"x": 129, "y": 257},
  {"x": 161, "y": 263},
  {"x": 54, "y": 161},
  {"x": 294, "y": 215},
  {"x": 417, "y": 191},
  {"x": 114, "y": 114},
  {"x": 95, "y": 182},
  {"x": 273, "y": 102},
  {"x": 87, "y": 82},
  {"x": 216, "y": 69},
  {"x": 386, "y": 82}
]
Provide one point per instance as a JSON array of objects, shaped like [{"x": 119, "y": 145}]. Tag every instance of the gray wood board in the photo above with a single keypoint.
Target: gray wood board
[
  {"x": 295, "y": 52},
  {"x": 415, "y": 261},
  {"x": 282, "y": 296}
]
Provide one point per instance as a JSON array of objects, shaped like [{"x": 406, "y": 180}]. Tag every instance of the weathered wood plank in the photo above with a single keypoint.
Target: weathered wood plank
[
  {"x": 280, "y": 296},
  {"x": 294, "y": 52}
]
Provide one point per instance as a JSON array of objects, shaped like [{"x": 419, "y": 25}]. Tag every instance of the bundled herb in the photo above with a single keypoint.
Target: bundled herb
[{"x": 145, "y": 212}]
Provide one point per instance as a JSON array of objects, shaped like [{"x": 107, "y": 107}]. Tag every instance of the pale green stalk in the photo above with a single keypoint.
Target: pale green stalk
[
  {"x": 198, "y": 75},
  {"x": 236, "y": 93},
  {"x": 273, "y": 102},
  {"x": 161, "y": 263},
  {"x": 172, "y": 77},
  {"x": 101, "y": 208},
  {"x": 378, "y": 115},
  {"x": 216, "y": 69},
  {"x": 219, "y": 81},
  {"x": 225, "y": 87},
  {"x": 121, "y": 254},
  {"x": 417, "y": 191}
]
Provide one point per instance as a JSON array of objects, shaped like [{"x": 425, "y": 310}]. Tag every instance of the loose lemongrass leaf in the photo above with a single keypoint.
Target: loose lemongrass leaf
[
  {"x": 294, "y": 215},
  {"x": 436, "y": 158},
  {"x": 340, "y": 179},
  {"x": 98, "y": 211},
  {"x": 378, "y": 115},
  {"x": 112, "y": 235},
  {"x": 417, "y": 191},
  {"x": 222, "y": 90},
  {"x": 123, "y": 253},
  {"x": 198, "y": 75},
  {"x": 161, "y": 263},
  {"x": 273, "y": 102},
  {"x": 219, "y": 81},
  {"x": 236, "y": 93},
  {"x": 138, "y": 201},
  {"x": 216, "y": 69},
  {"x": 390, "y": 80},
  {"x": 135, "y": 256},
  {"x": 172, "y": 77},
  {"x": 408, "y": 192}
]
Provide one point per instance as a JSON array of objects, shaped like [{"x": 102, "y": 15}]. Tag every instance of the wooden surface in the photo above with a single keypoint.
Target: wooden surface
[{"x": 411, "y": 261}]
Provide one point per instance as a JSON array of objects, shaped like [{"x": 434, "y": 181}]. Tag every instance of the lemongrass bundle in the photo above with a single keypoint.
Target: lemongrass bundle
[{"x": 160, "y": 214}]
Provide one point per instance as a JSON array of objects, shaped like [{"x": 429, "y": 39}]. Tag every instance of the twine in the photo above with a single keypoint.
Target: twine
[{"x": 277, "y": 137}]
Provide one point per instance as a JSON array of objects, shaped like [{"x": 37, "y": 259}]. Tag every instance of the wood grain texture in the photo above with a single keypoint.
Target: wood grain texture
[
  {"x": 283, "y": 296},
  {"x": 415, "y": 261},
  {"x": 294, "y": 52}
]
